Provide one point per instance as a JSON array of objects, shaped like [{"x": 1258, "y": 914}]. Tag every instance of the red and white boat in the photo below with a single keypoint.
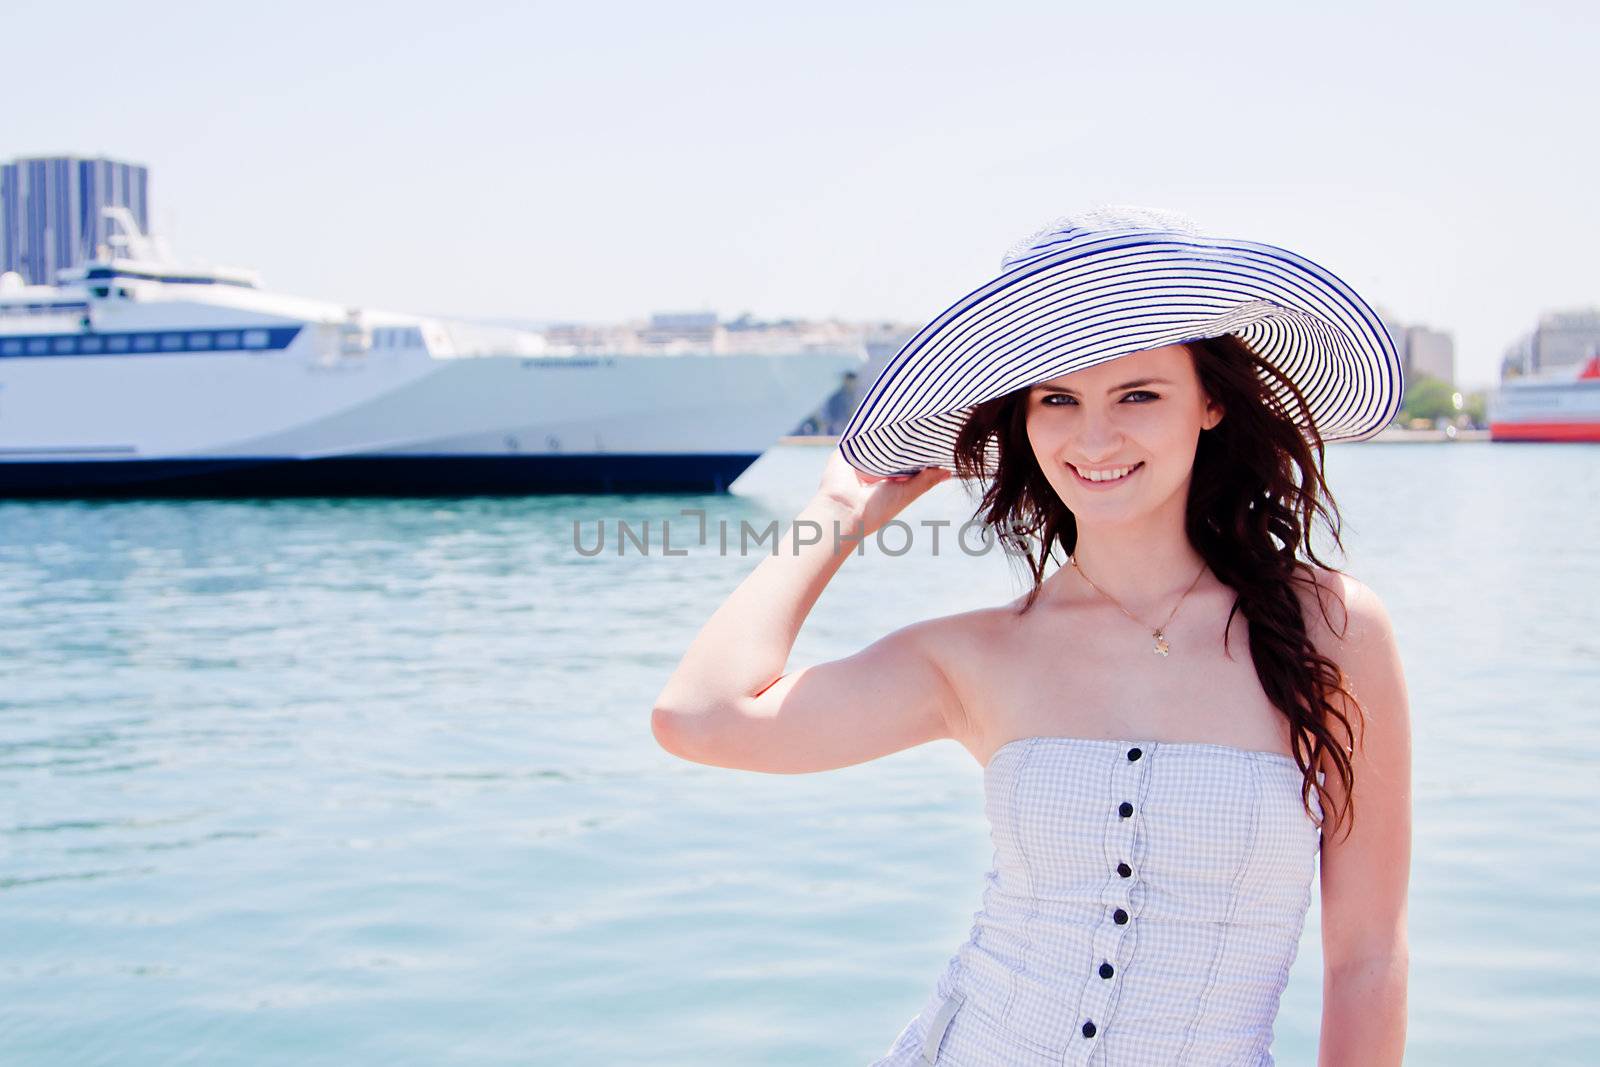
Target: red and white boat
[{"x": 1563, "y": 405}]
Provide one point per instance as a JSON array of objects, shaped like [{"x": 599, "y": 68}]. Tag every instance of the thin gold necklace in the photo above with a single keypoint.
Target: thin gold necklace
[{"x": 1162, "y": 647}]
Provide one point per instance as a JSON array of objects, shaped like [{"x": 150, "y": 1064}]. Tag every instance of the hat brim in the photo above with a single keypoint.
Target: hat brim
[{"x": 1100, "y": 296}]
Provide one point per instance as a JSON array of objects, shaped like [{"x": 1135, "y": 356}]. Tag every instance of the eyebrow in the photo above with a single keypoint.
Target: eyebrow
[{"x": 1125, "y": 385}]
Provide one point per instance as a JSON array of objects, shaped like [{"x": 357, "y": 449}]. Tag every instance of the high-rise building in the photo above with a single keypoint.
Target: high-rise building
[
  {"x": 1423, "y": 350},
  {"x": 1431, "y": 352},
  {"x": 1561, "y": 339},
  {"x": 50, "y": 210}
]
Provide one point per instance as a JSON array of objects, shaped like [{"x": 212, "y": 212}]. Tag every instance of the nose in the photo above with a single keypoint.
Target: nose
[{"x": 1097, "y": 438}]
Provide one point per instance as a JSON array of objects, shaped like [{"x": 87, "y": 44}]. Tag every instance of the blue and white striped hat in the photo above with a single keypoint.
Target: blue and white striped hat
[{"x": 1109, "y": 282}]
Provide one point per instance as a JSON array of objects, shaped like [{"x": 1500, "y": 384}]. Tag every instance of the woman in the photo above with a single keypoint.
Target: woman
[{"x": 1166, "y": 716}]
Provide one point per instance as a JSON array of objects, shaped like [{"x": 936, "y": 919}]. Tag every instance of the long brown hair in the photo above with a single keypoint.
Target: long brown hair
[{"x": 1258, "y": 485}]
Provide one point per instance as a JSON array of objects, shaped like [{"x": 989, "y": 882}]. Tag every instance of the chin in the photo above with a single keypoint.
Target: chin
[{"x": 1090, "y": 515}]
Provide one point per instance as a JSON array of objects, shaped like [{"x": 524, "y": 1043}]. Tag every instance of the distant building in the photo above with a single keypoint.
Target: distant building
[
  {"x": 881, "y": 341},
  {"x": 1430, "y": 352},
  {"x": 681, "y": 328},
  {"x": 50, "y": 210},
  {"x": 1561, "y": 339},
  {"x": 1423, "y": 350}
]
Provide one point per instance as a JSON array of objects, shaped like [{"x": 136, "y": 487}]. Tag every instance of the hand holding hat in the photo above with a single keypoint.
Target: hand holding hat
[{"x": 872, "y": 499}]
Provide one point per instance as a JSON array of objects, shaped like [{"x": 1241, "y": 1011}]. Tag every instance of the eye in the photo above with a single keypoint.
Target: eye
[{"x": 1065, "y": 399}]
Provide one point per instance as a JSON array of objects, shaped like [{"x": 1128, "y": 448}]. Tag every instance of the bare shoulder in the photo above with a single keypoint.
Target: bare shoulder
[
  {"x": 1349, "y": 624},
  {"x": 961, "y": 646},
  {"x": 1343, "y": 615},
  {"x": 956, "y": 641}
]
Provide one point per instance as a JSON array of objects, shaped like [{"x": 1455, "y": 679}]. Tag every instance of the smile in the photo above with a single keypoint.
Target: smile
[{"x": 1102, "y": 479}]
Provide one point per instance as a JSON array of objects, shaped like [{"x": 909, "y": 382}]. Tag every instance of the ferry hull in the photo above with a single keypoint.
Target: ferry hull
[
  {"x": 1562, "y": 406},
  {"x": 134, "y": 376},
  {"x": 453, "y": 475},
  {"x": 199, "y": 426},
  {"x": 1544, "y": 431}
]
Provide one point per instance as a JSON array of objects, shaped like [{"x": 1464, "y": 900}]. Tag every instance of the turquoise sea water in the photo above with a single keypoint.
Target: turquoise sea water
[{"x": 352, "y": 782}]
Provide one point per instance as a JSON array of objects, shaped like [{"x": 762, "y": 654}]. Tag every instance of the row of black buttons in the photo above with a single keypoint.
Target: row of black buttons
[{"x": 1119, "y": 916}]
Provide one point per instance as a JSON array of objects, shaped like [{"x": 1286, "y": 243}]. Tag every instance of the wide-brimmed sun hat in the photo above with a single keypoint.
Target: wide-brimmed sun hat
[{"x": 1109, "y": 282}]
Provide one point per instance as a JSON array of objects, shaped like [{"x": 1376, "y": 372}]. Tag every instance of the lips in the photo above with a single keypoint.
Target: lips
[{"x": 1088, "y": 483}]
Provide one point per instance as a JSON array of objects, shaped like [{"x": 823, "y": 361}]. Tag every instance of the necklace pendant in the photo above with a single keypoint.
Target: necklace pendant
[{"x": 1162, "y": 647}]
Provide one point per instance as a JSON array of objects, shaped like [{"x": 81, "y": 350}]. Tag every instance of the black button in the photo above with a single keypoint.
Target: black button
[
  {"x": 1126, "y": 809},
  {"x": 1134, "y": 753},
  {"x": 1088, "y": 1029},
  {"x": 1106, "y": 970},
  {"x": 1120, "y": 916},
  {"x": 1124, "y": 870}
]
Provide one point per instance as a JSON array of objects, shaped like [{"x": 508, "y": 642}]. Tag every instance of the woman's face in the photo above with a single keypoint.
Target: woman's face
[{"x": 1142, "y": 411}]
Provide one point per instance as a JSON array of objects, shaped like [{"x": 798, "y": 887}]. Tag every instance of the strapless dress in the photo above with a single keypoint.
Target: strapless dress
[{"x": 1144, "y": 908}]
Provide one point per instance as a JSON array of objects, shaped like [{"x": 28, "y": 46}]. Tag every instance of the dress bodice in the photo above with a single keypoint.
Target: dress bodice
[{"x": 1144, "y": 907}]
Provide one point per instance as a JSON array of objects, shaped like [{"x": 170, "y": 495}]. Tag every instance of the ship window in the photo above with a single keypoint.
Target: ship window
[
  {"x": 89, "y": 344},
  {"x": 64, "y": 346},
  {"x": 171, "y": 342},
  {"x": 199, "y": 340},
  {"x": 10, "y": 348},
  {"x": 38, "y": 346},
  {"x": 228, "y": 339},
  {"x": 101, "y": 291},
  {"x": 117, "y": 344},
  {"x": 121, "y": 291},
  {"x": 256, "y": 339},
  {"x": 144, "y": 343}
]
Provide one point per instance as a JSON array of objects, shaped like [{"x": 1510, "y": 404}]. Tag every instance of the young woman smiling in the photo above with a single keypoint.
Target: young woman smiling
[{"x": 1182, "y": 716}]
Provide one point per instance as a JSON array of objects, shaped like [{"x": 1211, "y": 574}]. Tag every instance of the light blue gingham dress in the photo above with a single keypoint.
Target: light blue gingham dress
[{"x": 1144, "y": 908}]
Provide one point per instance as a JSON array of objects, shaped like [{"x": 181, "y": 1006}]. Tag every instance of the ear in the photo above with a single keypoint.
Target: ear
[{"x": 1213, "y": 415}]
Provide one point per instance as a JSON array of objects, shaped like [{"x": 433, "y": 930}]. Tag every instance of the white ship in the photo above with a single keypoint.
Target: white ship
[
  {"x": 134, "y": 376},
  {"x": 1560, "y": 405}
]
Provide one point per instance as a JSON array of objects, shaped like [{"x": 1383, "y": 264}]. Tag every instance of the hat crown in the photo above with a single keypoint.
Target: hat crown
[{"x": 1105, "y": 218}]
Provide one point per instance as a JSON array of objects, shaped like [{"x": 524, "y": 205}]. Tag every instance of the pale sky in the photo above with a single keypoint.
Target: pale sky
[{"x": 600, "y": 161}]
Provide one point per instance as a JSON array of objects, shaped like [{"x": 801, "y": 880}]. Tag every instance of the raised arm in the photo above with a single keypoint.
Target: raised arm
[{"x": 729, "y": 703}]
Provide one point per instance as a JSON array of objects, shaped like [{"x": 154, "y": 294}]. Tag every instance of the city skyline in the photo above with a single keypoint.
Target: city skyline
[
  {"x": 51, "y": 210},
  {"x": 865, "y": 164},
  {"x": 51, "y": 218}
]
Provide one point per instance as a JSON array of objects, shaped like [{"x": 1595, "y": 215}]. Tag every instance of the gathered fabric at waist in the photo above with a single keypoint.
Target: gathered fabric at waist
[{"x": 1172, "y": 988}]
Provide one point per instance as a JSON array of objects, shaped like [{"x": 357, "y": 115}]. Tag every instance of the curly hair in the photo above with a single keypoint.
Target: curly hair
[{"x": 1258, "y": 485}]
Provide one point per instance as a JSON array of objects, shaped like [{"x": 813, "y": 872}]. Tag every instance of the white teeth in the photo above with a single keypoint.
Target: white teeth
[{"x": 1104, "y": 476}]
